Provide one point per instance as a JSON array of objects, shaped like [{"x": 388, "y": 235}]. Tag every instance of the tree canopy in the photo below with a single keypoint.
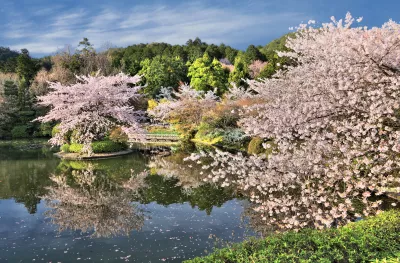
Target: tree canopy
[{"x": 207, "y": 74}]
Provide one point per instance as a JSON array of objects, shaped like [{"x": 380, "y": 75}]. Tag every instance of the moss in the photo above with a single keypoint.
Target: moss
[{"x": 255, "y": 146}]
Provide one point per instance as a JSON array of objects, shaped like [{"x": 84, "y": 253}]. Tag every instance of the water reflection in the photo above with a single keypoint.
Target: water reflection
[
  {"x": 25, "y": 180},
  {"x": 92, "y": 197},
  {"x": 88, "y": 201},
  {"x": 280, "y": 202},
  {"x": 173, "y": 166},
  {"x": 97, "y": 211}
]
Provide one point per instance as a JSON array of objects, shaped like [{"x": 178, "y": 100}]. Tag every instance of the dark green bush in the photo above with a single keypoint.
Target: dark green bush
[
  {"x": 255, "y": 146},
  {"x": 20, "y": 131},
  {"x": 46, "y": 129},
  {"x": 108, "y": 146},
  {"x": 362, "y": 241}
]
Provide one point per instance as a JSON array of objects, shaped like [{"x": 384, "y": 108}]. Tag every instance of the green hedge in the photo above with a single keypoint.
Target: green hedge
[
  {"x": 97, "y": 147},
  {"x": 108, "y": 146},
  {"x": 363, "y": 241}
]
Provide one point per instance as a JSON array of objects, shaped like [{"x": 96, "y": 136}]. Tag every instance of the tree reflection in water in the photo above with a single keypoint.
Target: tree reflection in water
[
  {"x": 87, "y": 200},
  {"x": 173, "y": 166}
]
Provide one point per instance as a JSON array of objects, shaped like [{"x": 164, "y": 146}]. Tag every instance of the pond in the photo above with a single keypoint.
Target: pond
[
  {"x": 69, "y": 211},
  {"x": 135, "y": 208}
]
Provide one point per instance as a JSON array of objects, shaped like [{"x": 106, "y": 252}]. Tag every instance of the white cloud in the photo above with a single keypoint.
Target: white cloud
[
  {"x": 69, "y": 19},
  {"x": 142, "y": 24}
]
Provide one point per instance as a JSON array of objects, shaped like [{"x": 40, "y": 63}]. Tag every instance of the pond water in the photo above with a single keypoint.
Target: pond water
[
  {"x": 69, "y": 211},
  {"x": 135, "y": 208}
]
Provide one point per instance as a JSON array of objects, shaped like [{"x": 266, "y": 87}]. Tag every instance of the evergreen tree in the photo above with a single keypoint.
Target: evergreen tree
[
  {"x": 207, "y": 74},
  {"x": 162, "y": 71},
  {"x": 252, "y": 53},
  {"x": 240, "y": 72}
]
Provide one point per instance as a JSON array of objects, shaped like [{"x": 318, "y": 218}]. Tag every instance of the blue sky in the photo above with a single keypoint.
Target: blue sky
[{"x": 43, "y": 26}]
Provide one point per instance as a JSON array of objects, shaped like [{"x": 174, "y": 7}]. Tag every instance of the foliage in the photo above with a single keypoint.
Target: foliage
[
  {"x": 92, "y": 107},
  {"x": 162, "y": 71},
  {"x": 8, "y": 60},
  {"x": 187, "y": 110},
  {"x": 87, "y": 47},
  {"x": 334, "y": 123},
  {"x": 74, "y": 148},
  {"x": 46, "y": 129},
  {"x": 388, "y": 260},
  {"x": 363, "y": 241},
  {"x": 253, "y": 53},
  {"x": 20, "y": 131},
  {"x": 151, "y": 104},
  {"x": 65, "y": 148},
  {"x": 26, "y": 67},
  {"x": 97, "y": 147},
  {"x": 276, "y": 62},
  {"x": 255, "y": 146},
  {"x": 118, "y": 135},
  {"x": 55, "y": 130},
  {"x": 207, "y": 74},
  {"x": 108, "y": 146},
  {"x": 240, "y": 73}
]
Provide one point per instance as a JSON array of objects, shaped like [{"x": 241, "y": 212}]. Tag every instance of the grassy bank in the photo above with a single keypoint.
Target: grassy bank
[{"x": 377, "y": 237}]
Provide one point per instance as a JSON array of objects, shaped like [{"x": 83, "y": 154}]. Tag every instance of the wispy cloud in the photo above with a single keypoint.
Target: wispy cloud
[
  {"x": 148, "y": 23},
  {"x": 69, "y": 19}
]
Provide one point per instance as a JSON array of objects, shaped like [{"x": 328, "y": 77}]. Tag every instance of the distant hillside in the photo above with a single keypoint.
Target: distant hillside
[
  {"x": 277, "y": 44},
  {"x": 8, "y": 59}
]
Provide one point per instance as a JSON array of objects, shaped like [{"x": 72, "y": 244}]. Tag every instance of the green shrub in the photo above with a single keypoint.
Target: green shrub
[
  {"x": 362, "y": 241},
  {"x": 65, "y": 148},
  {"x": 388, "y": 260},
  {"x": 46, "y": 129},
  {"x": 55, "y": 130},
  {"x": 75, "y": 147},
  {"x": 20, "y": 131},
  {"x": 108, "y": 146},
  {"x": 99, "y": 147},
  {"x": 255, "y": 146}
]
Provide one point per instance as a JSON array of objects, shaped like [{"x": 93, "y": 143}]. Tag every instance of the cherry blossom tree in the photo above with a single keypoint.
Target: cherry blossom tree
[
  {"x": 256, "y": 67},
  {"x": 334, "y": 123},
  {"x": 185, "y": 107},
  {"x": 92, "y": 107}
]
